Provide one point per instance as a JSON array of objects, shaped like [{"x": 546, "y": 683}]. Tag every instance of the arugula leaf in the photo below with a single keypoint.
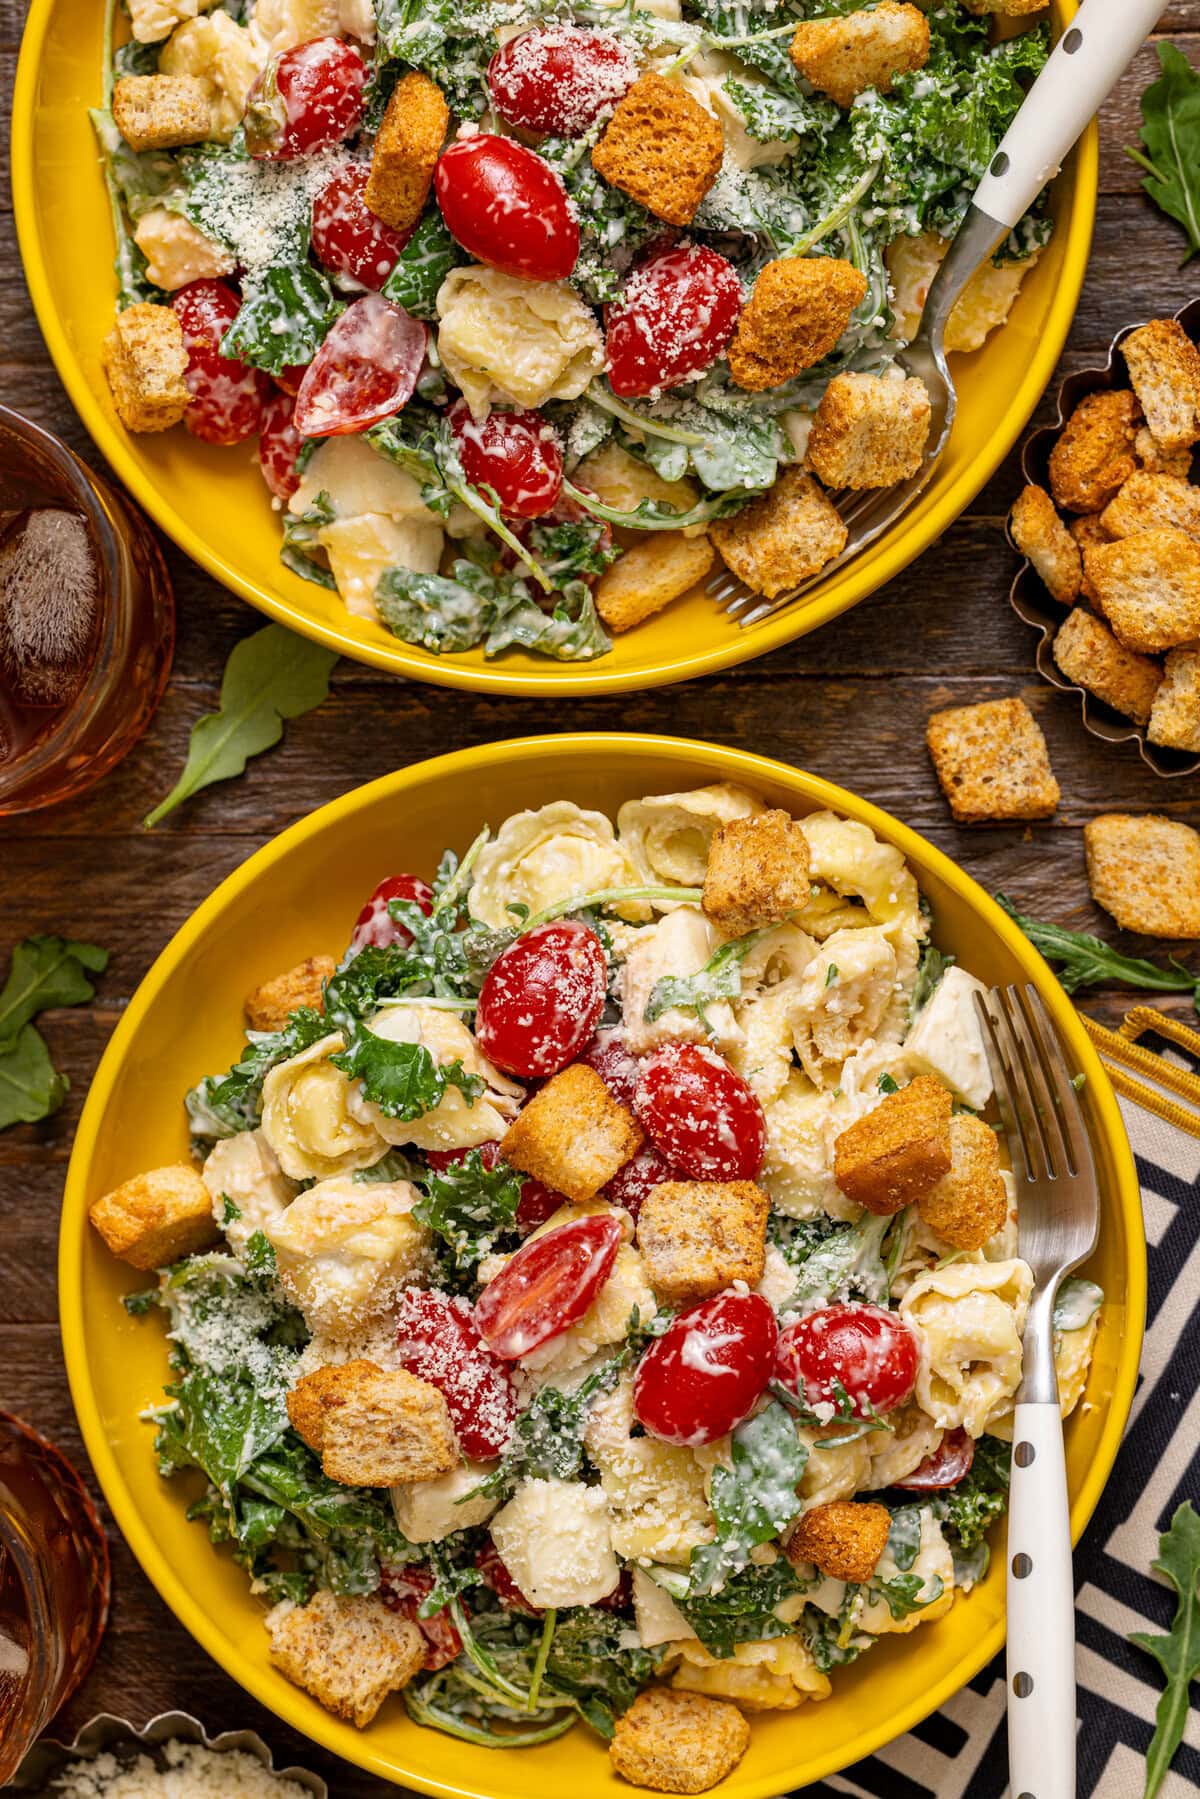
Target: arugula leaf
[
  {"x": 30, "y": 1086},
  {"x": 743, "y": 1610},
  {"x": 302, "y": 550},
  {"x": 905, "y": 1593},
  {"x": 752, "y": 1501},
  {"x": 1082, "y": 960},
  {"x": 422, "y": 266},
  {"x": 847, "y": 1262},
  {"x": 269, "y": 677},
  {"x": 720, "y": 978},
  {"x": 653, "y": 515},
  {"x": 1178, "y": 1652},
  {"x": 223, "y": 1105},
  {"x": 402, "y": 1079},
  {"x": 592, "y": 1659},
  {"x": 904, "y": 1536},
  {"x": 283, "y": 318},
  {"x": 930, "y": 970},
  {"x": 470, "y": 1205},
  {"x": 1170, "y": 142},
  {"x": 45, "y": 972}
]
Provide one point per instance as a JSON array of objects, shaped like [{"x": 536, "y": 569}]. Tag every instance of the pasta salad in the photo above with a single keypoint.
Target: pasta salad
[{"x": 597, "y": 1294}]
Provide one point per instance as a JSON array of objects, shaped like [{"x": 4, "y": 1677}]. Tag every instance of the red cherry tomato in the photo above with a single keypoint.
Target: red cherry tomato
[
  {"x": 702, "y": 1115},
  {"x": 496, "y": 1575},
  {"x": 507, "y": 207},
  {"x": 305, "y": 99},
  {"x": 227, "y": 396},
  {"x": 559, "y": 78},
  {"x": 632, "y": 1185},
  {"x": 537, "y": 1203},
  {"x": 541, "y": 999},
  {"x": 347, "y": 236},
  {"x": 375, "y": 926},
  {"x": 870, "y": 1352},
  {"x": 706, "y": 1372},
  {"x": 279, "y": 445},
  {"x": 439, "y": 1342},
  {"x": 673, "y": 320},
  {"x": 548, "y": 1284},
  {"x": 621, "y": 1597},
  {"x": 616, "y": 1065},
  {"x": 403, "y": 1590},
  {"x": 289, "y": 378},
  {"x": 365, "y": 370},
  {"x": 517, "y": 454},
  {"x": 949, "y": 1463}
]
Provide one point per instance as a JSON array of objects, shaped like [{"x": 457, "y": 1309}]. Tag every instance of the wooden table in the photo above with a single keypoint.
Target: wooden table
[{"x": 849, "y": 702}]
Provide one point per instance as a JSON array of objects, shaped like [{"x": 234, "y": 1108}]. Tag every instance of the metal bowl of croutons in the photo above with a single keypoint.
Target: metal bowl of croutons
[{"x": 1108, "y": 524}]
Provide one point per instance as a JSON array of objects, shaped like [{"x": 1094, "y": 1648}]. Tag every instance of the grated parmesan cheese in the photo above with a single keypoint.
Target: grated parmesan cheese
[
  {"x": 192, "y": 1772},
  {"x": 262, "y": 210}
]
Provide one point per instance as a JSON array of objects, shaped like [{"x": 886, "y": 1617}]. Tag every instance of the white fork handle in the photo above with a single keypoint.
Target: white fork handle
[
  {"x": 1086, "y": 63},
  {"x": 1041, "y": 1610}
]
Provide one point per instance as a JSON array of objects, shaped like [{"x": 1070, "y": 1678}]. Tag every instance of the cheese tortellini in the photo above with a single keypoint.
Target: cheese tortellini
[
  {"x": 844, "y": 999},
  {"x": 969, "y": 1317},
  {"x": 775, "y": 1675},
  {"x": 669, "y": 835},
  {"x": 224, "y": 55},
  {"x": 847, "y": 857},
  {"x": 505, "y": 341},
  {"x": 538, "y": 858},
  {"x": 655, "y": 1491},
  {"x": 244, "y": 1170},
  {"x": 345, "y": 1248},
  {"x": 176, "y": 252},
  {"x": 679, "y": 944},
  {"x": 312, "y": 1116},
  {"x": 456, "y": 1122},
  {"x": 360, "y": 550}
]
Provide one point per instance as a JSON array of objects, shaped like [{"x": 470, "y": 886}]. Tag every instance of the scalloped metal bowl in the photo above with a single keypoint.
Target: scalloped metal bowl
[
  {"x": 1028, "y": 595},
  {"x": 107, "y": 1735}
]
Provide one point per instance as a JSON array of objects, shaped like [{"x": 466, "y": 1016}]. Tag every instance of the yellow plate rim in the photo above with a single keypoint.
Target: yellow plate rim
[{"x": 726, "y": 764}]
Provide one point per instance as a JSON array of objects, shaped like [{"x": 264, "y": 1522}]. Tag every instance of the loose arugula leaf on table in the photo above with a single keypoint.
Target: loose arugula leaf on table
[
  {"x": 1170, "y": 142},
  {"x": 283, "y": 318},
  {"x": 1178, "y": 1651},
  {"x": 44, "y": 972},
  {"x": 469, "y": 1206},
  {"x": 223, "y": 1105},
  {"x": 754, "y": 1500},
  {"x": 31, "y": 1088},
  {"x": 720, "y": 978},
  {"x": 270, "y": 676},
  {"x": 1081, "y": 960},
  {"x": 422, "y": 266}
]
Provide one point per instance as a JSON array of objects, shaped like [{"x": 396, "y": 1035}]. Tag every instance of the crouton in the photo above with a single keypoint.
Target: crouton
[
  {"x": 1175, "y": 714},
  {"x": 900, "y": 1149},
  {"x": 1164, "y": 367},
  {"x": 1094, "y": 455},
  {"x": 145, "y": 361},
  {"x": 798, "y": 310},
  {"x": 1156, "y": 459},
  {"x": 1040, "y": 534},
  {"x": 374, "y": 1427},
  {"x": 157, "y": 1217},
  {"x": 991, "y": 761},
  {"x": 572, "y": 1135},
  {"x": 757, "y": 872},
  {"x": 1146, "y": 502},
  {"x": 782, "y": 538},
  {"x": 349, "y": 1651},
  {"x": 698, "y": 1237},
  {"x": 270, "y": 1006},
  {"x": 1090, "y": 656},
  {"x": 869, "y": 431},
  {"x": 970, "y": 1203},
  {"x": 407, "y": 146},
  {"x": 1146, "y": 872},
  {"x": 1087, "y": 530},
  {"x": 662, "y": 148},
  {"x": 649, "y": 576},
  {"x": 160, "y": 112},
  {"x": 843, "y": 1539},
  {"x": 311, "y": 1398},
  {"x": 673, "y": 1742},
  {"x": 1148, "y": 587},
  {"x": 844, "y": 57}
]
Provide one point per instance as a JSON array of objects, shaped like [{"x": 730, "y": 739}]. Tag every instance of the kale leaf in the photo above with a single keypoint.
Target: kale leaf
[
  {"x": 283, "y": 318},
  {"x": 743, "y": 1609},
  {"x": 402, "y": 1079},
  {"x": 469, "y": 1205},
  {"x": 972, "y": 1507},
  {"x": 754, "y": 1500},
  {"x": 422, "y": 266}
]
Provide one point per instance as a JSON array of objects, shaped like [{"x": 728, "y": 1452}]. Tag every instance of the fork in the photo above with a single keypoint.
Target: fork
[
  {"x": 1084, "y": 65},
  {"x": 1058, "y": 1212}
]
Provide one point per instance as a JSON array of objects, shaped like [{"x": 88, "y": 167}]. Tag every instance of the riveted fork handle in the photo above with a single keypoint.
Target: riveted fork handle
[{"x": 1041, "y": 1609}]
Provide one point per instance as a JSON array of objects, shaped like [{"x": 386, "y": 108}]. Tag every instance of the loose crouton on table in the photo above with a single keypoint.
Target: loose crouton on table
[
  {"x": 886, "y": 1160},
  {"x": 843, "y": 1539},
  {"x": 374, "y": 1427},
  {"x": 573, "y": 1135},
  {"x": 270, "y": 1006},
  {"x": 651, "y": 574},
  {"x": 757, "y": 872},
  {"x": 675, "y": 1742},
  {"x": 991, "y": 761},
  {"x": 1040, "y": 534},
  {"x": 145, "y": 361},
  {"x": 698, "y": 1237},
  {"x": 1175, "y": 715},
  {"x": 349, "y": 1651},
  {"x": 1147, "y": 502},
  {"x": 1148, "y": 587},
  {"x": 662, "y": 148},
  {"x": 1094, "y": 457},
  {"x": 970, "y": 1203},
  {"x": 1164, "y": 367},
  {"x": 869, "y": 431},
  {"x": 782, "y": 538},
  {"x": 161, "y": 112},
  {"x": 798, "y": 310},
  {"x": 1146, "y": 872},
  {"x": 844, "y": 57},
  {"x": 1089, "y": 655},
  {"x": 157, "y": 1217},
  {"x": 407, "y": 146}
]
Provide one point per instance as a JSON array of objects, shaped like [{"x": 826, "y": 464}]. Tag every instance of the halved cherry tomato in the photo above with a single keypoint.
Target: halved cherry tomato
[
  {"x": 402, "y": 1590},
  {"x": 228, "y": 396},
  {"x": 347, "y": 236},
  {"x": 375, "y": 925},
  {"x": 559, "y": 78},
  {"x": 440, "y": 1343},
  {"x": 306, "y": 99},
  {"x": 516, "y": 454},
  {"x": 632, "y": 1185},
  {"x": 704, "y": 1375},
  {"x": 541, "y": 998},
  {"x": 616, "y": 1065},
  {"x": 289, "y": 378},
  {"x": 279, "y": 445},
  {"x": 507, "y": 207},
  {"x": 496, "y": 1575},
  {"x": 701, "y": 1113},
  {"x": 869, "y": 1352},
  {"x": 365, "y": 370},
  {"x": 621, "y": 1597},
  {"x": 537, "y": 1203},
  {"x": 548, "y": 1285},
  {"x": 949, "y": 1463},
  {"x": 675, "y": 317}
]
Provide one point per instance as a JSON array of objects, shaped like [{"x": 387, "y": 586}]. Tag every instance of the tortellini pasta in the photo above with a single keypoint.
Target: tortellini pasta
[
  {"x": 797, "y": 1171},
  {"x": 222, "y": 53},
  {"x": 362, "y": 549},
  {"x": 345, "y": 1248},
  {"x": 1072, "y": 1360},
  {"x": 505, "y": 341},
  {"x": 282, "y": 24},
  {"x": 176, "y": 252},
  {"x": 836, "y": 1471},
  {"x": 655, "y": 1491},
  {"x": 312, "y": 1116},
  {"x": 669, "y": 835},
  {"x": 244, "y": 1170},
  {"x": 896, "y": 1452},
  {"x": 357, "y": 482},
  {"x": 539, "y": 858},
  {"x": 847, "y": 857},
  {"x": 775, "y": 1675},
  {"x": 843, "y": 999},
  {"x": 455, "y": 1122},
  {"x": 679, "y": 944},
  {"x": 968, "y": 1317}
]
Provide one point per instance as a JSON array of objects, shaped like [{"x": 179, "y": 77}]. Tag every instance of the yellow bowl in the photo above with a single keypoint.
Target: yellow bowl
[
  {"x": 214, "y": 504},
  {"x": 298, "y": 896}
]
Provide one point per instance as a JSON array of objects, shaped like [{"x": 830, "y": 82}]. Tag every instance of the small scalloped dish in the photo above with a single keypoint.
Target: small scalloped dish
[{"x": 298, "y": 896}]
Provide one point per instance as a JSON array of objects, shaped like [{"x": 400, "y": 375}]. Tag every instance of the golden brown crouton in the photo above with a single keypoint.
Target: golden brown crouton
[
  {"x": 662, "y": 148},
  {"x": 886, "y": 1160},
  {"x": 969, "y": 1204},
  {"x": 270, "y": 1006},
  {"x": 160, "y": 112},
  {"x": 157, "y": 1218},
  {"x": 1148, "y": 587},
  {"x": 869, "y": 431},
  {"x": 311, "y": 1398},
  {"x": 843, "y": 1539},
  {"x": 783, "y": 537},
  {"x": 992, "y": 762},
  {"x": 1087, "y": 530},
  {"x": 377, "y": 1427},
  {"x": 407, "y": 146},
  {"x": 349, "y": 1651},
  {"x": 572, "y": 1135},
  {"x": 649, "y": 576},
  {"x": 1040, "y": 534},
  {"x": 697, "y": 1237},
  {"x": 1094, "y": 455},
  {"x": 1175, "y": 715},
  {"x": 1089, "y": 654},
  {"x": 1147, "y": 502},
  {"x": 844, "y": 57},
  {"x": 145, "y": 361},
  {"x": 1156, "y": 459},
  {"x": 1146, "y": 872},
  {"x": 1164, "y": 367},
  {"x": 798, "y": 310},
  {"x": 674, "y": 1742},
  {"x": 757, "y": 872}
]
